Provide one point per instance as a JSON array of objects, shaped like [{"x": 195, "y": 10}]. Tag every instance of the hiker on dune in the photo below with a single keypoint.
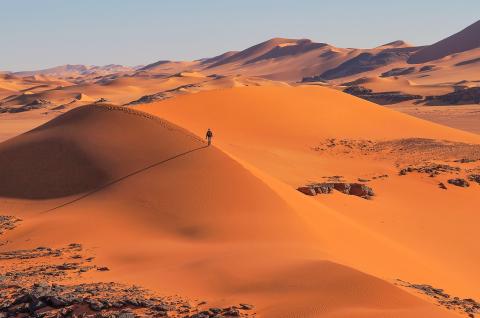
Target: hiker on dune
[{"x": 209, "y": 136}]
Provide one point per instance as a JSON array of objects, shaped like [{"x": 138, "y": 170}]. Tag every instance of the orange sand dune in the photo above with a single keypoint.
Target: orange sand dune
[
  {"x": 119, "y": 90},
  {"x": 162, "y": 210},
  {"x": 275, "y": 129},
  {"x": 11, "y": 85}
]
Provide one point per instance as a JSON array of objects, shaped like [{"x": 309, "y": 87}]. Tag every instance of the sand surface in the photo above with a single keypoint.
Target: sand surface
[{"x": 244, "y": 234}]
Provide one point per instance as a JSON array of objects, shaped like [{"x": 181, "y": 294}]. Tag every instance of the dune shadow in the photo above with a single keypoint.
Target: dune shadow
[
  {"x": 52, "y": 168},
  {"x": 115, "y": 181}
]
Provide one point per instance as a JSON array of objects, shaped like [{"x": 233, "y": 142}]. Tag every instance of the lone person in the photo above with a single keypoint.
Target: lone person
[{"x": 209, "y": 136}]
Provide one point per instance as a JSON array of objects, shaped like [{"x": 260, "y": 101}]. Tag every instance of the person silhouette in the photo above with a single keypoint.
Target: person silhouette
[{"x": 209, "y": 136}]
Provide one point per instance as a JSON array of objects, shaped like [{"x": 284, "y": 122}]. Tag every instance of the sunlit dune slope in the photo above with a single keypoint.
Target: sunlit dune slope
[
  {"x": 294, "y": 116},
  {"x": 162, "y": 210},
  {"x": 275, "y": 132}
]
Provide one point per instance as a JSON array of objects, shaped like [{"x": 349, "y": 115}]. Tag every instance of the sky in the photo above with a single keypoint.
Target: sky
[{"x": 38, "y": 34}]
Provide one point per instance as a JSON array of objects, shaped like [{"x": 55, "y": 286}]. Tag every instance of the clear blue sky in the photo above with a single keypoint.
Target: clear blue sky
[{"x": 43, "y": 33}]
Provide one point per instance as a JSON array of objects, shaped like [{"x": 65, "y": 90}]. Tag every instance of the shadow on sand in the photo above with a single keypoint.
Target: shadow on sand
[{"x": 110, "y": 183}]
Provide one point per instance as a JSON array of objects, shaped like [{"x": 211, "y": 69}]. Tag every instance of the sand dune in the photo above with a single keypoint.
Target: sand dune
[
  {"x": 281, "y": 146},
  {"x": 210, "y": 83},
  {"x": 465, "y": 40},
  {"x": 237, "y": 238},
  {"x": 72, "y": 72},
  {"x": 13, "y": 85}
]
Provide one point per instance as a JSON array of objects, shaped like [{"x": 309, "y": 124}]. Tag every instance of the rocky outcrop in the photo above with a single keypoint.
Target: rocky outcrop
[
  {"x": 474, "y": 178},
  {"x": 467, "y": 305},
  {"x": 431, "y": 169},
  {"x": 8, "y": 222},
  {"x": 30, "y": 287},
  {"x": 427, "y": 68},
  {"x": 463, "y": 96},
  {"x": 459, "y": 182},
  {"x": 357, "y": 189},
  {"x": 442, "y": 186},
  {"x": 398, "y": 71},
  {"x": 466, "y": 160},
  {"x": 103, "y": 300},
  {"x": 382, "y": 98}
]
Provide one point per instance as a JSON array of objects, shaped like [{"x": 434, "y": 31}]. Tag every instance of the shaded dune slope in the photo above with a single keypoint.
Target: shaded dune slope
[
  {"x": 467, "y": 39},
  {"x": 75, "y": 152}
]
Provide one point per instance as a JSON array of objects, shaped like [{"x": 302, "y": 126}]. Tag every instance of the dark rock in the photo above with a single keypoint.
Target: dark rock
[
  {"x": 475, "y": 60},
  {"x": 431, "y": 169},
  {"x": 466, "y": 160},
  {"x": 441, "y": 185},
  {"x": 55, "y": 302},
  {"x": 307, "y": 190},
  {"x": 469, "y": 95},
  {"x": 398, "y": 71},
  {"x": 427, "y": 68},
  {"x": 459, "y": 182},
  {"x": 246, "y": 306},
  {"x": 361, "y": 190},
  {"x": 96, "y": 305},
  {"x": 474, "y": 178},
  {"x": 231, "y": 311},
  {"x": 67, "y": 266},
  {"x": 215, "y": 310},
  {"x": 357, "y": 189},
  {"x": 381, "y": 98}
]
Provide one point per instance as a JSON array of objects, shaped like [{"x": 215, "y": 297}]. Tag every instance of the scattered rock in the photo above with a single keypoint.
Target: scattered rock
[
  {"x": 398, "y": 71},
  {"x": 427, "y": 68},
  {"x": 381, "y": 98},
  {"x": 469, "y": 306},
  {"x": 466, "y": 160},
  {"x": 100, "y": 300},
  {"x": 357, "y": 189},
  {"x": 231, "y": 311},
  {"x": 246, "y": 306},
  {"x": 474, "y": 178},
  {"x": 441, "y": 185},
  {"x": 463, "y": 96},
  {"x": 431, "y": 169},
  {"x": 8, "y": 222},
  {"x": 459, "y": 182}
]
